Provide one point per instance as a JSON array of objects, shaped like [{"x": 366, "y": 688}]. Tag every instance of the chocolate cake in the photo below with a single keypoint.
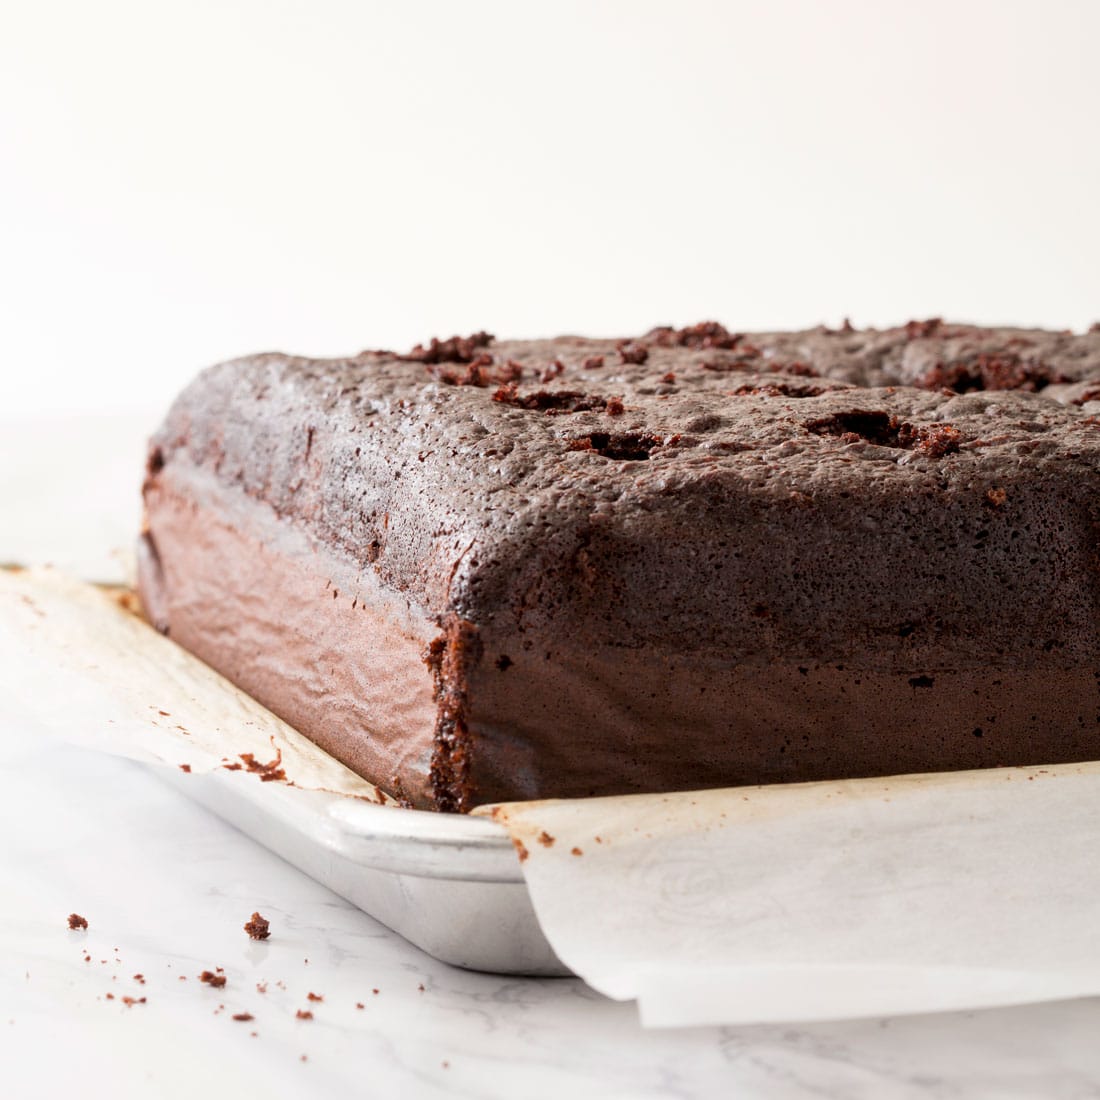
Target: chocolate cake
[{"x": 490, "y": 570}]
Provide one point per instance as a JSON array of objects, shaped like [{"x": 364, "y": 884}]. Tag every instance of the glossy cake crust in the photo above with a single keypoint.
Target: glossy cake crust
[{"x": 490, "y": 570}]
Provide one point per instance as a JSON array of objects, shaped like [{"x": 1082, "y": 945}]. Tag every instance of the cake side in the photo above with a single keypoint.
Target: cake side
[{"x": 692, "y": 559}]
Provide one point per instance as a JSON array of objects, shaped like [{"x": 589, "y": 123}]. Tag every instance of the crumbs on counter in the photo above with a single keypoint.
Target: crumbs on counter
[
  {"x": 210, "y": 978},
  {"x": 77, "y": 921},
  {"x": 258, "y": 928}
]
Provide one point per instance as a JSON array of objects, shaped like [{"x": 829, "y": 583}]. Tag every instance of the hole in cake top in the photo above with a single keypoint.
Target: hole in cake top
[
  {"x": 1006, "y": 371},
  {"x": 621, "y": 446},
  {"x": 555, "y": 402},
  {"x": 885, "y": 430},
  {"x": 783, "y": 389}
]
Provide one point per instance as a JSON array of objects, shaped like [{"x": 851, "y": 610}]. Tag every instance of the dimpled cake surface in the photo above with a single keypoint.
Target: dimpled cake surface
[{"x": 488, "y": 570}]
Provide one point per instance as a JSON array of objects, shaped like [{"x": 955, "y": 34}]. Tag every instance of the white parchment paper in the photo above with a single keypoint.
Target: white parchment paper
[{"x": 825, "y": 900}]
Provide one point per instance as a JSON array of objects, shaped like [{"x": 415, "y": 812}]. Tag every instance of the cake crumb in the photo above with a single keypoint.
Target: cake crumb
[
  {"x": 521, "y": 848},
  {"x": 545, "y": 839},
  {"x": 244, "y": 1017},
  {"x": 632, "y": 353},
  {"x": 359, "y": 1004},
  {"x": 315, "y": 997},
  {"x": 576, "y": 852},
  {"x": 261, "y": 987},
  {"x": 268, "y": 772},
  {"x": 129, "y": 1001},
  {"x": 258, "y": 927},
  {"x": 304, "y": 1014},
  {"x": 139, "y": 978},
  {"x": 185, "y": 768},
  {"x": 77, "y": 921},
  {"x": 210, "y": 978}
]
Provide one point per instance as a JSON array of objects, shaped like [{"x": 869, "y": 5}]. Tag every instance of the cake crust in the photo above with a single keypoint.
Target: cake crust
[{"x": 513, "y": 569}]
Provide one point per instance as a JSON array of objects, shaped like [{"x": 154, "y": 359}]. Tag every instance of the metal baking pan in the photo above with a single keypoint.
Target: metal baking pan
[{"x": 449, "y": 883}]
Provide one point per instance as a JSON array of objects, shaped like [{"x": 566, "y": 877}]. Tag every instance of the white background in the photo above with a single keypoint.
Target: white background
[{"x": 185, "y": 182}]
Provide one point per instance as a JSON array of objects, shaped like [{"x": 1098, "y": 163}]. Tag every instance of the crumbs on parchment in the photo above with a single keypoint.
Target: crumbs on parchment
[{"x": 268, "y": 772}]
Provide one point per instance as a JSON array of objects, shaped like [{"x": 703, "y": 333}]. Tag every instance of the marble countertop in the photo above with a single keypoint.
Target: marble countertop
[{"x": 166, "y": 888}]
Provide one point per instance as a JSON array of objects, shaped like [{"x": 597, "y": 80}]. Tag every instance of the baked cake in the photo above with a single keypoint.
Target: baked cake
[{"x": 490, "y": 570}]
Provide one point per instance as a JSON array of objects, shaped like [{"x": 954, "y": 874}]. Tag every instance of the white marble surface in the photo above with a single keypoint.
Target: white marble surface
[{"x": 169, "y": 886}]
